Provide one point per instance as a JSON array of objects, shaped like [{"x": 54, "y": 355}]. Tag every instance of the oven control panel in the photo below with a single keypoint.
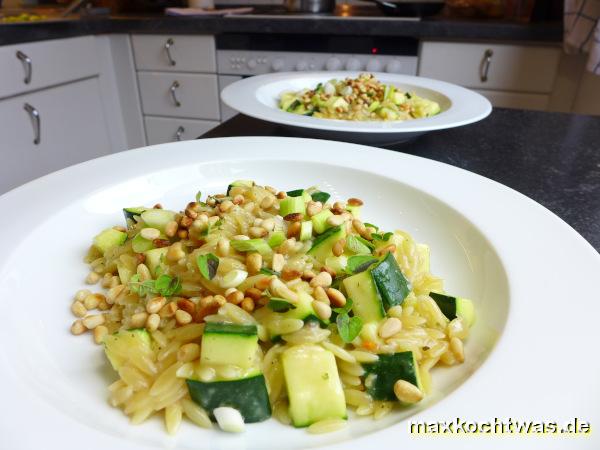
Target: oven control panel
[{"x": 250, "y": 62}]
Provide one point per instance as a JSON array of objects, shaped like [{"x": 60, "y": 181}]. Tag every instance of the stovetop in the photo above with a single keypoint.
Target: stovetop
[{"x": 341, "y": 10}]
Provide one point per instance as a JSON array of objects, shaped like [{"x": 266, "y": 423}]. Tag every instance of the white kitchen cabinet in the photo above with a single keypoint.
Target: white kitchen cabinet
[
  {"x": 175, "y": 53},
  {"x": 72, "y": 129},
  {"x": 160, "y": 130}
]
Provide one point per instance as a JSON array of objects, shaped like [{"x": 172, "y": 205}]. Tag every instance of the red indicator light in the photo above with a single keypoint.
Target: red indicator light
[{"x": 374, "y": 50}]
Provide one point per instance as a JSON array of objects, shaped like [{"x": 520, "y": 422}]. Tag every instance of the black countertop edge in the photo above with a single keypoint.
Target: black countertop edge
[{"x": 444, "y": 29}]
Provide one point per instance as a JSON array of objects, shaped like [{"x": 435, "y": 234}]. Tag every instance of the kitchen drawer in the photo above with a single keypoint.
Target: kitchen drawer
[
  {"x": 197, "y": 96},
  {"x": 72, "y": 130},
  {"x": 52, "y": 62},
  {"x": 538, "y": 102},
  {"x": 513, "y": 68},
  {"x": 167, "y": 129},
  {"x": 187, "y": 53}
]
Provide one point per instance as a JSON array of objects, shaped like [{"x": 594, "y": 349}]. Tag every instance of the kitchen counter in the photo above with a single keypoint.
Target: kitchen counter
[
  {"x": 553, "y": 158},
  {"x": 374, "y": 25}
]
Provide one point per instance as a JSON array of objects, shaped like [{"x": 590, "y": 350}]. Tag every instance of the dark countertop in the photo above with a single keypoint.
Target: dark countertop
[
  {"x": 372, "y": 25},
  {"x": 553, "y": 158}
]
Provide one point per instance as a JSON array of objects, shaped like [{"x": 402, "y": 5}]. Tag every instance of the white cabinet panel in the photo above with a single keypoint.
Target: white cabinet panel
[
  {"x": 224, "y": 81},
  {"x": 516, "y": 68},
  {"x": 538, "y": 102},
  {"x": 72, "y": 130},
  {"x": 193, "y": 96},
  {"x": 174, "y": 53},
  {"x": 167, "y": 129},
  {"x": 51, "y": 62}
]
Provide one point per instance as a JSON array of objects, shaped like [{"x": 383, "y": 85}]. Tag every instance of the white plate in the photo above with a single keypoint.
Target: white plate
[
  {"x": 531, "y": 356},
  {"x": 259, "y": 97}
]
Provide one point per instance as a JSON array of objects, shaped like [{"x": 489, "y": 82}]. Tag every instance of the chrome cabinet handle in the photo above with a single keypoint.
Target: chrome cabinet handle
[
  {"x": 34, "y": 115},
  {"x": 172, "y": 90},
  {"x": 26, "y": 60},
  {"x": 168, "y": 46},
  {"x": 179, "y": 133},
  {"x": 484, "y": 67}
]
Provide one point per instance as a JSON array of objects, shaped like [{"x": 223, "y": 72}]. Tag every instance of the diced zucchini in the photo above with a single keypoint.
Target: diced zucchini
[
  {"x": 130, "y": 213},
  {"x": 108, "y": 239},
  {"x": 313, "y": 385},
  {"x": 366, "y": 301},
  {"x": 453, "y": 307},
  {"x": 322, "y": 247},
  {"x": 389, "y": 368},
  {"x": 248, "y": 395},
  {"x": 354, "y": 210},
  {"x": 240, "y": 183},
  {"x": 320, "y": 196},
  {"x": 303, "y": 310},
  {"x": 290, "y": 205},
  {"x": 337, "y": 263},
  {"x": 125, "y": 273},
  {"x": 356, "y": 245},
  {"x": 158, "y": 218},
  {"x": 141, "y": 245},
  {"x": 373, "y": 106},
  {"x": 252, "y": 245},
  {"x": 390, "y": 282},
  {"x": 155, "y": 258},
  {"x": 306, "y": 230},
  {"x": 129, "y": 346},
  {"x": 295, "y": 193},
  {"x": 276, "y": 239},
  {"x": 286, "y": 100},
  {"x": 319, "y": 221},
  {"x": 224, "y": 343}
]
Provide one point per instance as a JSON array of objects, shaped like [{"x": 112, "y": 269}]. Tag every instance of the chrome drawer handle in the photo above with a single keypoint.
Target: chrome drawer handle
[
  {"x": 179, "y": 133},
  {"x": 35, "y": 120},
  {"x": 168, "y": 46},
  {"x": 26, "y": 60},
  {"x": 172, "y": 89},
  {"x": 484, "y": 67}
]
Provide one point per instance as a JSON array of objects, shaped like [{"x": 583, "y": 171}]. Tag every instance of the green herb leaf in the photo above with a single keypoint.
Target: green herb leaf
[
  {"x": 382, "y": 237},
  {"x": 348, "y": 327},
  {"x": 267, "y": 271},
  {"x": 367, "y": 224},
  {"x": 198, "y": 196},
  {"x": 359, "y": 263},
  {"x": 295, "y": 193},
  {"x": 280, "y": 305},
  {"x": 208, "y": 264},
  {"x": 167, "y": 286},
  {"x": 344, "y": 309},
  {"x": 133, "y": 283},
  {"x": 320, "y": 197}
]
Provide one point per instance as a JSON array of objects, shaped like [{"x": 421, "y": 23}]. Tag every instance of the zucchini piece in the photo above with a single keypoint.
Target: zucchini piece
[
  {"x": 302, "y": 310},
  {"x": 276, "y": 239},
  {"x": 224, "y": 343},
  {"x": 320, "y": 196},
  {"x": 295, "y": 193},
  {"x": 453, "y": 307},
  {"x": 319, "y": 221},
  {"x": 108, "y": 239},
  {"x": 290, "y": 205},
  {"x": 125, "y": 273},
  {"x": 129, "y": 346},
  {"x": 141, "y": 245},
  {"x": 158, "y": 218},
  {"x": 130, "y": 213},
  {"x": 366, "y": 302},
  {"x": 306, "y": 230},
  {"x": 252, "y": 245},
  {"x": 356, "y": 245},
  {"x": 373, "y": 106},
  {"x": 155, "y": 258},
  {"x": 313, "y": 385},
  {"x": 239, "y": 183},
  {"x": 248, "y": 395},
  {"x": 322, "y": 247},
  {"x": 354, "y": 210},
  {"x": 389, "y": 368},
  {"x": 337, "y": 263},
  {"x": 391, "y": 284}
]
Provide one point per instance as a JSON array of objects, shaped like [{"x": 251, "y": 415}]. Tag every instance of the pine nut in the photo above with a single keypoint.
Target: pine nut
[
  {"x": 186, "y": 222},
  {"x": 247, "y": 304},
  {"x": 191, "y": 213},
  {"x": 160, "y": 243},
  {"x": 92, "y": 301},
  {"x": 320, "y": 294},
  {"x": 278, "y": 262},
  {"x": 120, "y": 228},
  {"x": 106, "y": 280},
  {"x": 91, "y": 322},
  {"x": 235, "y": 297},
  {"x": 257, "y": 232},
  {"x": 457, "y": 348},
  {"x": 281, "y": 195},
  {"x": 359, "y": 226},
  {"x": 220, "y": 300},
  {"x": 387, "y": 249},
  {"x": 322, "y": 309},
  {"x": 168, "y": 310},
  {"x": 267, "y": 202},
  {"x": 182, "y": 317},
  {"x": 338, "y": 208},
  {"x": 155, "y": 304},
  {"x": 338, "y": 247},
  {"x": 103, "y": 305},
  {"x": 175, "y": 252},
  {"x": 223, "y": 247},
  {"x": 395, "y": 311},
  {"x": 262, "y": 283},
  {"x": 186, "y": 305},
  {"x": 268, "y": 224},
  {"x": 150, "y": 233},
  {"x": 82, "y": 294},
  {"x": 390, "y": 327},
  {"x": 313, "y": 208},
  {"x": 92, "y": 278},
  {"x": 225, "y": 206},
  {"x": 144, "y": 273},
  {"x": 288, "y": 246},
  {"x": 355, "y": 202},
  {"x": 182, "y": 234},
  {"x": 171, "y": 228},
  {"x": 407, "y": 392},
  {"x": 253, "y": 293},
  {"x": 99, "y": 333},
  {"x": 294, "y": 229},
  {"x": 78, "y": 328},
  {"x": 329, "y": 270},
  {"x": 336, "y": 297},
  {"x": 188, "y": 352},
  {"x": 114, "y": 281},
  {"x": 323, "y": 279},
  {"x": 78, "y": 309},
  {"x": 138, "y": 320},
  {"x": 238, "y": 199},
  {"x": 152, "y": 322},
  {"x": 335, "y": 221},
  {"x": 294, "y": 217},
  {"x": 290, "y": 274},
  {"x": 254, "y": 263},
  {"x": 279, "y": 288},
  {"x": 240, "y": 237},
  {"x": 114, "y": 293}
]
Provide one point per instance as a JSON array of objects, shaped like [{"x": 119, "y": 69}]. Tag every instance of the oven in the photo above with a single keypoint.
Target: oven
[{"x": 244, "y": 55}]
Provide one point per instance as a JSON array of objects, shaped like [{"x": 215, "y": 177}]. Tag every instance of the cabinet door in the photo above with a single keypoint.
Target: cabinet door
[
  {"x": 166, "y": 129},
  {"x": 72, "y": 130},
  {"x": 174, "y": 53}
]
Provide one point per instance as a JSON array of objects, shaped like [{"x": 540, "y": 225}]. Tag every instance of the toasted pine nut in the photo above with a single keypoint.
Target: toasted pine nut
[
  {"x": 254, "y": 262},
  {"x": 358, "y": 226},
  {"x": 182, "y": 234},
  {"x": 92, "y": 278},
  {"x": 323, "y": 279},
  {"x": 338, "y": 208},
  {"x": 278, "y": 262},
  {"x": 290, "y": 274},
  {"x": 240, "y": 237},
  {"x": 457, "y": 348},
  {"x": 320, "y": 294},
  {"x": 322, "y": 309},
  {"x": 150, "y": 233},
  {"x": 235, "y": 297},
  {"x": 247, "y": 304},
  {"x": 355, "y": 202},
  {"x": 279, "y": 288},
  {"x": 294, "y": 229},
  {"x": 175, "y": 252},
  {"x": 253, "y": 293},
  {"x": 191, "y": 213},
  {"x": 93, "y": 300},
  {"x": 144, "y": 273},
  {"x": 168, "y": 310},
  {"x": 152, "y": 322},
  {"x": 263, "y": 283},
  {"x": 238, "y": 199},
  {"x": 387, "y": 249},
  {"x": 281, "y": 195},
  {"x": 78, "y": 309},
  {"x": 257, "y": 232},
  {"x": 160, "y": 243},
  {"x": 114, "y": 293},
  {"x": 337, "y": 298},
  {"x": 308, "y": 275},
  {"x": 171, "y": 228},
  {"x": 91, "y": 322},
  {"x": 78, "y": 328},
  {"x": 390, "y": 327},
  {"x": 335, "y": 221},
  {"x": 186, "y": 222},
  {"x": 188, "y": 352},
  {"x": 313, "y": 208},
  {"x": 99, "y": 333},
  {"x": 268, "y": 224},
  {"x": 294, "y": 217},
  {"x": 182, "y": 317},
  {"x": 82, "y": 294},
  {"x": 267, "y": 202},
  {"x": 155, "y": 305},
  {"x": 223, "y": 247},
  {"x": 407, "y": 392},
  {"x": 338, "y": 247},
  {"x": 288, "y": 246},
  {"x": 138, "y": 320},
  {"x": 225, "y": 205}
]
